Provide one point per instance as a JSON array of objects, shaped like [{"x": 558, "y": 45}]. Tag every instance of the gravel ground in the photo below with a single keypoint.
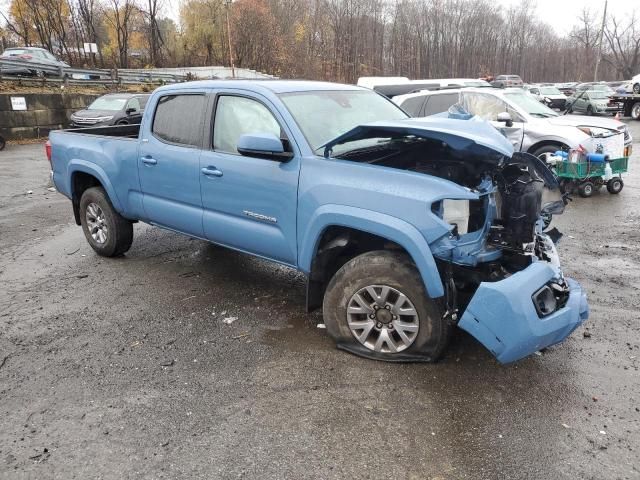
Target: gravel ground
[{"x": 124, "y": 368}]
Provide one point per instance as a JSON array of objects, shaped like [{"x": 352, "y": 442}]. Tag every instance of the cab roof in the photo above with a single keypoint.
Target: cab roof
[{"x": 275, "y": 86}]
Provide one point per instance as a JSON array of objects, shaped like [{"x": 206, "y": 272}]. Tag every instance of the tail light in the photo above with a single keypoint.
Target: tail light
[{"x": 47, "y": 149}]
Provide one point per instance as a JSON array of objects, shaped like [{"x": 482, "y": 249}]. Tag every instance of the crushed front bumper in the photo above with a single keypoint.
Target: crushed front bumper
[{"x": 502, "y": 316}]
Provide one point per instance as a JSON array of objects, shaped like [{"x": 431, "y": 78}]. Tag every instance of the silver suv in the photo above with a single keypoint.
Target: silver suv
[{"x": 528, "y": 124}]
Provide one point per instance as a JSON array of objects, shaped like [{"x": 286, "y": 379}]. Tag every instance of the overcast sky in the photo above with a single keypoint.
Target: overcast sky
[{"x": 562, "y": 14}]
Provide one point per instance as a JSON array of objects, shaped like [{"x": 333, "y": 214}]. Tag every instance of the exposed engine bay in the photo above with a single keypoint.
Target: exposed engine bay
[{"x": 494, "y": 236}]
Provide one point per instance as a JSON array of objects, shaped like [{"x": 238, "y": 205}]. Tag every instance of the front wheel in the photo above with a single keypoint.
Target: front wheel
[
  {"x": 615, "y": 185},
  {"x": 542, "y": 152},
  {"x": 376, "y": 306},
  {"x": 635, "y": 111},
  {"x": 108, "y": 233}
]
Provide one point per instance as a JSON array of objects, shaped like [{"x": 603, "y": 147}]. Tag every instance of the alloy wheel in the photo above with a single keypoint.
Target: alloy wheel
[
  {"x": 96, "y": 223},
  {"x": 383, "y": 319}
]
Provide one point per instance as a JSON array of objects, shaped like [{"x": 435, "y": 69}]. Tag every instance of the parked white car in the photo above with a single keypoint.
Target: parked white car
[{"x": 528, "y": 124}]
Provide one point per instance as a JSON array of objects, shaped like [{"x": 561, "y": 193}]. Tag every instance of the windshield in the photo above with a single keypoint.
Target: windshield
[
  {"x": 598, "y": 94},
  {"x": 108, "y": 103},
  {"x": 325, "y": 115},
  {"x": 550, "y": 91},
  {"x": 13, "y": 51},
  {"x": 530, "y": 105}
]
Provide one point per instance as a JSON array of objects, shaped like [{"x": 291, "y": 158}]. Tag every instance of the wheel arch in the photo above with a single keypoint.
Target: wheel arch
[
  {"x": 335, "y": 236},
  {"x": 547, "y": 143},
  {"x": 84, "y": 177}
]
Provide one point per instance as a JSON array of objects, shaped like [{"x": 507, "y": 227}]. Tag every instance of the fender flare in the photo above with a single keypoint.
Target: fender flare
[
  {"x": 383, "y": 225},
  {"x": 89, "y": 168}
]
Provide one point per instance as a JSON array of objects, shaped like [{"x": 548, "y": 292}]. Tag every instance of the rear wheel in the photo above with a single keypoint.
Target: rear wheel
[
  {"x": 108, "y": 233},
  {"x": 377, "y": 305},
  {"x": 635, "y": 111},
  {"x": 589, "y": 110},
  {"x": 636, "y": 88},
  {"x": 586, "y": 189},
  {"x": 615, "y": 185}
]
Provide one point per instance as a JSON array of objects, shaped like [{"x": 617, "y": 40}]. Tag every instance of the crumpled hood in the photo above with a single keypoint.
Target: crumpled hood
[
  {"x": 473, "y": 136},
  {"x": 582, "y": 120}
]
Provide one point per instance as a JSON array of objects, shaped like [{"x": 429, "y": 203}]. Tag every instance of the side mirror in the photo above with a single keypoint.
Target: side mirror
[
  {"x": 263, "y": 145},
  {"x": 129, "y": 111},
  {"x": 505, "y": 118}
]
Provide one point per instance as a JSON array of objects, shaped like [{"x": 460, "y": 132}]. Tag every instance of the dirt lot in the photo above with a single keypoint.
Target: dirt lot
[{"x": 123, "y": 368}]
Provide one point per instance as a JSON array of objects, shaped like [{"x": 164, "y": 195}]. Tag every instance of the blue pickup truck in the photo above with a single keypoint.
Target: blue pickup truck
[{"x": 405, "y": 228}]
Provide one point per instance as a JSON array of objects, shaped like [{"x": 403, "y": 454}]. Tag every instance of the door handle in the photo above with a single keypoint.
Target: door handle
[
  {"x": 211, "y": 172},
  {"x": 149, "y": 160}
]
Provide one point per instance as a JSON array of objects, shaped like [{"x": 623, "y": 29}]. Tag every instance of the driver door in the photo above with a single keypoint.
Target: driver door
[
  {"x": 249, "y": 202},
  {"x": 488, "y": 107}
]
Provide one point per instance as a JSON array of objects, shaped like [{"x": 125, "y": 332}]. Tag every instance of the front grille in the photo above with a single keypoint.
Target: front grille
[{"x": 84, "y": 121}]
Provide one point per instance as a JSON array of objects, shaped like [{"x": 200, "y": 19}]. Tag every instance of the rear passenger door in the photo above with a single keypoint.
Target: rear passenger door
[{"x": 169, "y": 162}]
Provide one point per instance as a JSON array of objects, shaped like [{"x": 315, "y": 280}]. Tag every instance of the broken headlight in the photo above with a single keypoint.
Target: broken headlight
[{"x": 550, "y": 298}]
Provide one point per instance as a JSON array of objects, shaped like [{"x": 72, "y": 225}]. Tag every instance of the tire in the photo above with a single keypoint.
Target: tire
[
  {"x": 542, "y": 151},
  {"x": 122, "y": 122},
  {"x": 108, "y": 233},
  {"x": 586, "y": 189},
  {"x": 589, "y": 110},
  {"x": 636, "y": 88},
  {"x": 429, "y": 333},
  {"x": 615, "y": 185},
  {"x": 635, "y": 111}
]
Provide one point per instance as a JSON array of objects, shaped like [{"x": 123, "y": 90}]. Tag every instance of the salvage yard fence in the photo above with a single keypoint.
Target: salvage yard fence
[
  {"x": 82, "y": 76},
  {"x": 46, "y": 73}
]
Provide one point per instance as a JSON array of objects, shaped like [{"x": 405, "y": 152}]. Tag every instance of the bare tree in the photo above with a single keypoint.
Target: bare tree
[{"x": 623, "y": 39}]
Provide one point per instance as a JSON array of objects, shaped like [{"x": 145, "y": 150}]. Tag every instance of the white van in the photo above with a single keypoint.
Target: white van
[{"x": 373, "y": 82}]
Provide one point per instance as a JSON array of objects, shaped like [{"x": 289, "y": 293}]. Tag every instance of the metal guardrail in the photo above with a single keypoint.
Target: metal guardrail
[{"x": 48, "y": 72}]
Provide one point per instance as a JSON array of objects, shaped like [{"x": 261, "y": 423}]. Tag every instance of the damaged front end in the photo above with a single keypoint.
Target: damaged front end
[
  {"x": 495, "y": 255},
  {"x": 503, "y": 278}
]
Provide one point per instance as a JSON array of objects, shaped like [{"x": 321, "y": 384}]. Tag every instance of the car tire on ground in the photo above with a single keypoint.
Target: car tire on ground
[
  {"x": 542, "y": 151},
  {"x": 108, "y": 233},
  {"x": 586, "y": 189},
  {"x": 615, "y": 185},
  {"x": 122, "y": 122},
  {"x": 635, "y": 111},
  {"x": 589, "y": 110},
  {"x": 377, "y": 303},
  {"x": 636, "y": 88}
]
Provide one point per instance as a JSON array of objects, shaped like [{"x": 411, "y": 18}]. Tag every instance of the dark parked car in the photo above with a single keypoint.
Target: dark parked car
[
  {"x": 112, "y": 109},
  {"x": 503, "y": 81},
  {"x": 37, "y": 56}
]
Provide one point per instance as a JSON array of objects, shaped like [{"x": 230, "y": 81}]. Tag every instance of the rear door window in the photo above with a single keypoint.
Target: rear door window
[
  {"x": 440, "y": 103},
  {"x": 178, "y": 119},
  {"x": 413, "y": 105}
]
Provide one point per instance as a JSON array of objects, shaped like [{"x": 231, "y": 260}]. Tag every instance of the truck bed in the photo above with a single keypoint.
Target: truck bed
[{"x": 126, "y": 131}]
